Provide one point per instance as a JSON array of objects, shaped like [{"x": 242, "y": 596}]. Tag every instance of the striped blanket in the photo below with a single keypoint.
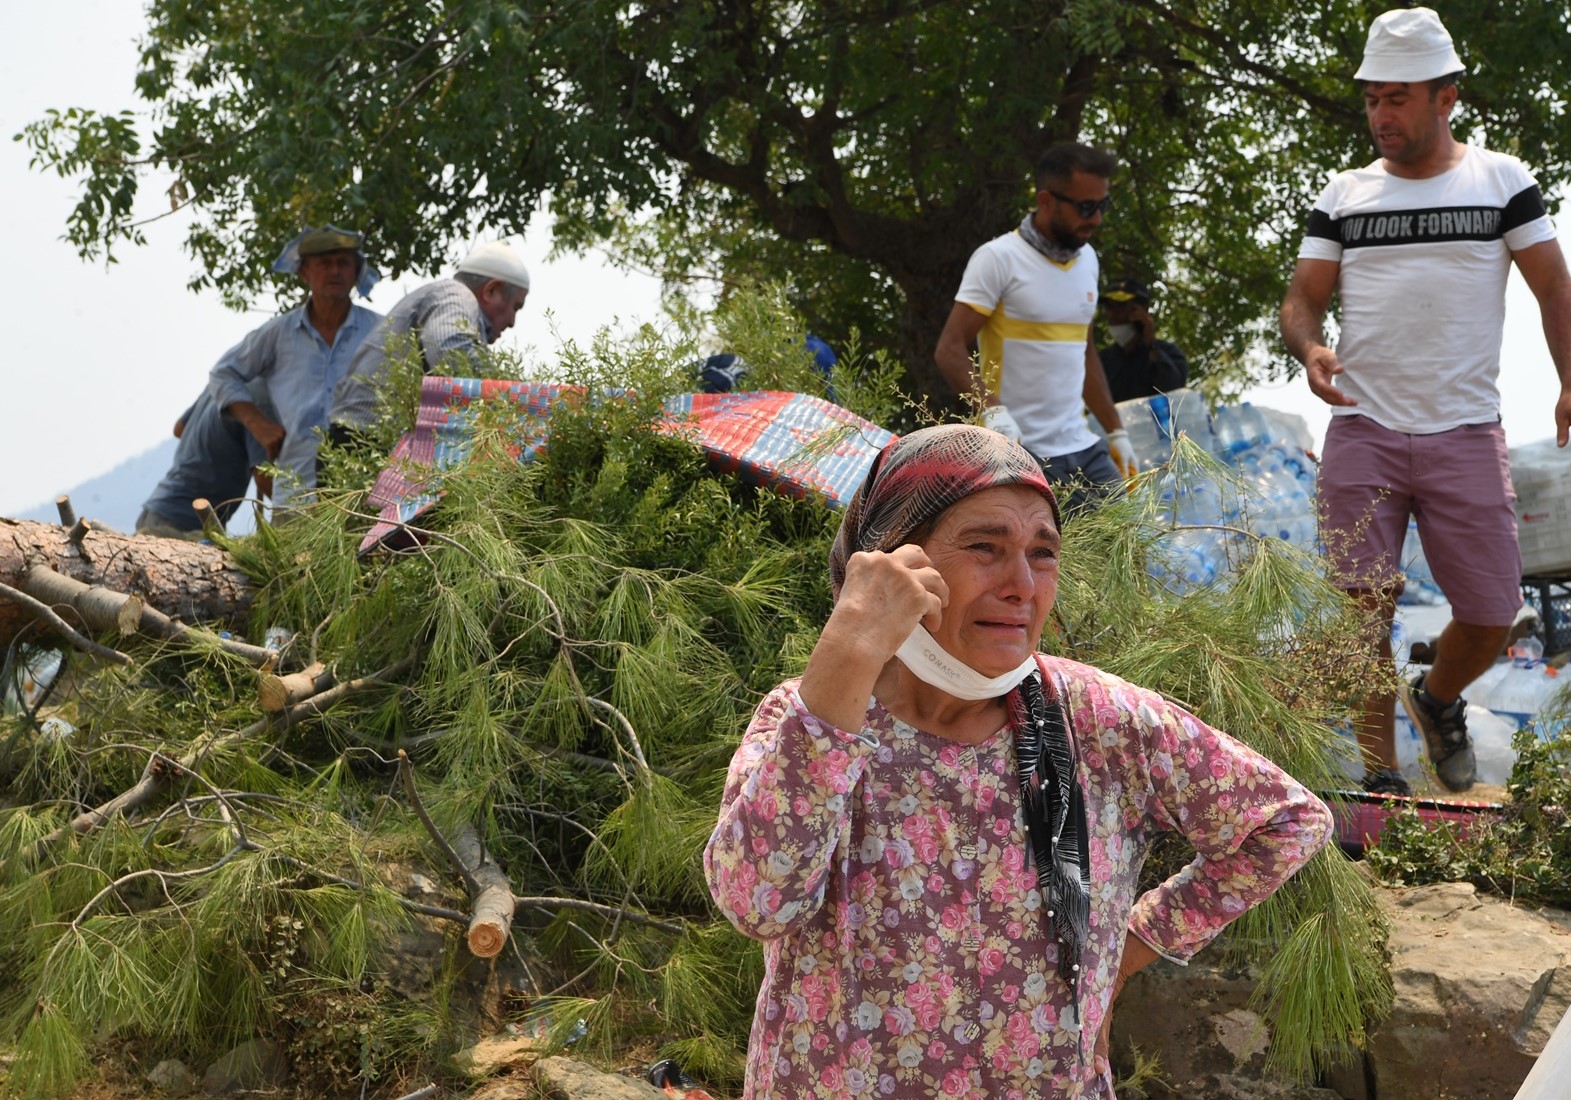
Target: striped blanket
[{"x": 790, "y": 442}]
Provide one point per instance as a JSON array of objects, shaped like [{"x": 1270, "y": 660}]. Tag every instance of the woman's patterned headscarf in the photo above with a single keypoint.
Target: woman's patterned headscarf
[
  {"x": 917, "y": 477},
  {"x": 913, "y": 481}
]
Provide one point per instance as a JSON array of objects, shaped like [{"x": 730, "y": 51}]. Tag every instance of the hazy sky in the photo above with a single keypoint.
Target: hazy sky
[{"x": 99, "y": 362}]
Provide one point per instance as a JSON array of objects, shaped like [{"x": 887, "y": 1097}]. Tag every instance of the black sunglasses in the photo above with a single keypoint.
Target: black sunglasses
[{"x": 1085, "y": 207}]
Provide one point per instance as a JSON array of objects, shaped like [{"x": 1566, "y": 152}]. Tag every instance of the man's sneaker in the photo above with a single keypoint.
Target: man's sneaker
[
  {"x": 1387, "y": 781},
  {"x": 1444, "y": 728}
]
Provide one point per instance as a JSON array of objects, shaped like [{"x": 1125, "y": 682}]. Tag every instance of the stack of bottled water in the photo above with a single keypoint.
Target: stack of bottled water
[
  {"x": 1153, "y": 422},
  {"x": 1277, "y": 475}
]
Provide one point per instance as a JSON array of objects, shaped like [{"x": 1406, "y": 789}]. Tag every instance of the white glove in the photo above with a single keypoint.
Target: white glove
[
  {"x": 1123, "y": 453},
  {"x": 997, "y": 417}
]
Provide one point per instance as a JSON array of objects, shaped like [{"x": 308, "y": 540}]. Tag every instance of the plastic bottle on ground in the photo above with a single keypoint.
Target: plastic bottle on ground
[{"x": 1522, "y": 690}]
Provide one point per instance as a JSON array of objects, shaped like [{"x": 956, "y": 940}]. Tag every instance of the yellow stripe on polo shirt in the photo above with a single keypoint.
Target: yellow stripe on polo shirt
[
  {"x": 1012, "y": 328},
  {"x": 1000, "y": 327}
]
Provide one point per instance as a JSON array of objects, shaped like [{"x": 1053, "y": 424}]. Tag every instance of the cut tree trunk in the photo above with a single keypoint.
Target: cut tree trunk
[
  {"x": 491, "y": 919},
  {"x": 187, "y": 581}
]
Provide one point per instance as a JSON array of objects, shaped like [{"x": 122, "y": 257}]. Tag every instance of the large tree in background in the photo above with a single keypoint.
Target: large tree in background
[{"x": 857, "y": 150}]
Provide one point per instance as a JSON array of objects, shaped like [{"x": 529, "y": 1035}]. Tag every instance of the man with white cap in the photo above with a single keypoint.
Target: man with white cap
[
  {"x": 1417, "y": 246},
  {"x": 299, "y": 356},
  {"x": 451, "y": 320}
]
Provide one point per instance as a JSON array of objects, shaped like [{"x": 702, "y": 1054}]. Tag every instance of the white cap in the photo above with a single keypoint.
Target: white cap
[
  {"x": 497, "y": 260},
  {"x": 1408, "y": 45}
]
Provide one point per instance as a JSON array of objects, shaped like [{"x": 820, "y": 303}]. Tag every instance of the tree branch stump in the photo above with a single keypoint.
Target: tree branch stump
[
  {"x": 277, "y": 692},
  {"x": 491, "y": 914},
  {"x": 194, "y": 583}
]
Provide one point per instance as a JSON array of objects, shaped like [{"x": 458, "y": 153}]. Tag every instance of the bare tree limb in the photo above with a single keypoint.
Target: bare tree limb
[
  {"x": 101, "y": 607},
  {"x": 610, "y": 911},
  {"x": 46, "y": 614},
  {"x": 406, "y": 771}
]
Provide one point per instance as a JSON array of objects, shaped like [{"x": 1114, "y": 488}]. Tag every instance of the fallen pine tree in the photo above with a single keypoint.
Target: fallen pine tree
[
  {"x": 539, "y": 699},
  {"x": 195, "y": 582}
]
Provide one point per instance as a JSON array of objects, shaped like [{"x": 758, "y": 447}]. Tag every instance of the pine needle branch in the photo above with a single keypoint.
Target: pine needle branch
[
  {"x": 164, "y": 878},
  {"x": 632, "y": 735},
  {"x": 560, "y": 634}
]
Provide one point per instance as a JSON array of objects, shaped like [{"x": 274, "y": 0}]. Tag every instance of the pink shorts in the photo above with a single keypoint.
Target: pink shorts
[{"x": 1456, "y": 484}]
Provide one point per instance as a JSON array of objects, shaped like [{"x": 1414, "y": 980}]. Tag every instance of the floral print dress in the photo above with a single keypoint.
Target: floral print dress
[{"x": 887, "y": 872}]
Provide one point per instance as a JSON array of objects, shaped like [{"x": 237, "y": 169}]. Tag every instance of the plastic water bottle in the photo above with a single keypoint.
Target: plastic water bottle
[
  {"x": 1189, "y": 558},
  {"x": 1528, "y": 648},
  {"x": 1191, "y": 417},
  {"x": 1148, "y": 420},
  {"x": 1239, "y": 427},
  {"x": 1491, "y": 734},
  {"x": 1231, "y": 434},
  {"x": 1200, "y": 501},
  {"x": 1522, "y": 690},
  {"x": 1482, "y": 690}
]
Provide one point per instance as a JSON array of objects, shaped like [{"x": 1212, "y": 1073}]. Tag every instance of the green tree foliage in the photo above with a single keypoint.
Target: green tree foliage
[
  {"x": 860, "y": 151},
  {"x": 590, "y": 634}
]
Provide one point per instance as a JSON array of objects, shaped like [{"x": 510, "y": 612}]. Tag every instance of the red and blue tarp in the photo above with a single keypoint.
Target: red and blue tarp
[{"x": 793, "y": 443}]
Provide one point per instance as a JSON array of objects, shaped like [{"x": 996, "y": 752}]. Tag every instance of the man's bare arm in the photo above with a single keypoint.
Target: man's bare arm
[
  {"x": 1543, "y": 268},
  {"x": 1303, "y": 327},
  {"x": 953, "y": 352},
  {"x": 263, "y": 428}
]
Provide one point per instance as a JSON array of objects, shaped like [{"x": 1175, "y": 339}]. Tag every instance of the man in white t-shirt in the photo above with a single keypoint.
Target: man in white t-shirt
[
  {"x": 1417, "y": 246},
  {"x": 1027, "y": 300}
]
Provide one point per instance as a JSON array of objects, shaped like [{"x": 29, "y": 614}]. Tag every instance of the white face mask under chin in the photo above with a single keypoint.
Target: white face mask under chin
[
  {"x": 1123, "y": 335},
  {"x": 933, "y": 664}
]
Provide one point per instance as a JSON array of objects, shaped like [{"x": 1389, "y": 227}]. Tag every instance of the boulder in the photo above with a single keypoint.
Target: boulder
[
  {"x": 250, "y": 1067},
  {"x": 1480, "y": 985},
  {"x": 172, "y": 1077},
  {"x": 490, "y": 1056},
  {"x": 1196, "y": 1021},
  {"x": 507, "y": 1089},
  {"x": 569, "y": 1079}
]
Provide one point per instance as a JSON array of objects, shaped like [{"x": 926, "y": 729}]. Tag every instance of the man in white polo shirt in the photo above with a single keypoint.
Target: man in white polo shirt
[
  {"x": 1028, "y": 299},
  {"x": 1417, "y": 246}
]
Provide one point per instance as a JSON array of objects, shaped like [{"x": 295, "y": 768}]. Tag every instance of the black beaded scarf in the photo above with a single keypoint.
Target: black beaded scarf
[{"x": 1055, "y": 816}]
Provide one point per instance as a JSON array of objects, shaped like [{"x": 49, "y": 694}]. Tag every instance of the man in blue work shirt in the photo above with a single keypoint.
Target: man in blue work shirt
[
  {"x": 301, "y": 355},
  {"x": 214, "y": 460}
]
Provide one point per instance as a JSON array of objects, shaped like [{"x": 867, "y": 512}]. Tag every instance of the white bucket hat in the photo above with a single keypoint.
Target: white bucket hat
[
  {"x": 1408, "y": 45},
  {"x": 497, "y": 260}
]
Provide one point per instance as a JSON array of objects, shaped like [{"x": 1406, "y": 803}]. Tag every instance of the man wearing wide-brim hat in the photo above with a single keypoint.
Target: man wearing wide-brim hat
[
  {"x": 1418, "y": 245},
  {"x": 300, "y": 356},
  {"x": 453, "y": 320}
]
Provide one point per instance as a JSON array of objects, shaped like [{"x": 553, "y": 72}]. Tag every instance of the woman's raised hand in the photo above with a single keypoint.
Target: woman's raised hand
[{"x": 884, "y": 597}]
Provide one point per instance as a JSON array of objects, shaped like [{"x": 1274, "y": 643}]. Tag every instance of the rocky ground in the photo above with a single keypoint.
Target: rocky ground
[{"x": 1480, "y": 985}]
